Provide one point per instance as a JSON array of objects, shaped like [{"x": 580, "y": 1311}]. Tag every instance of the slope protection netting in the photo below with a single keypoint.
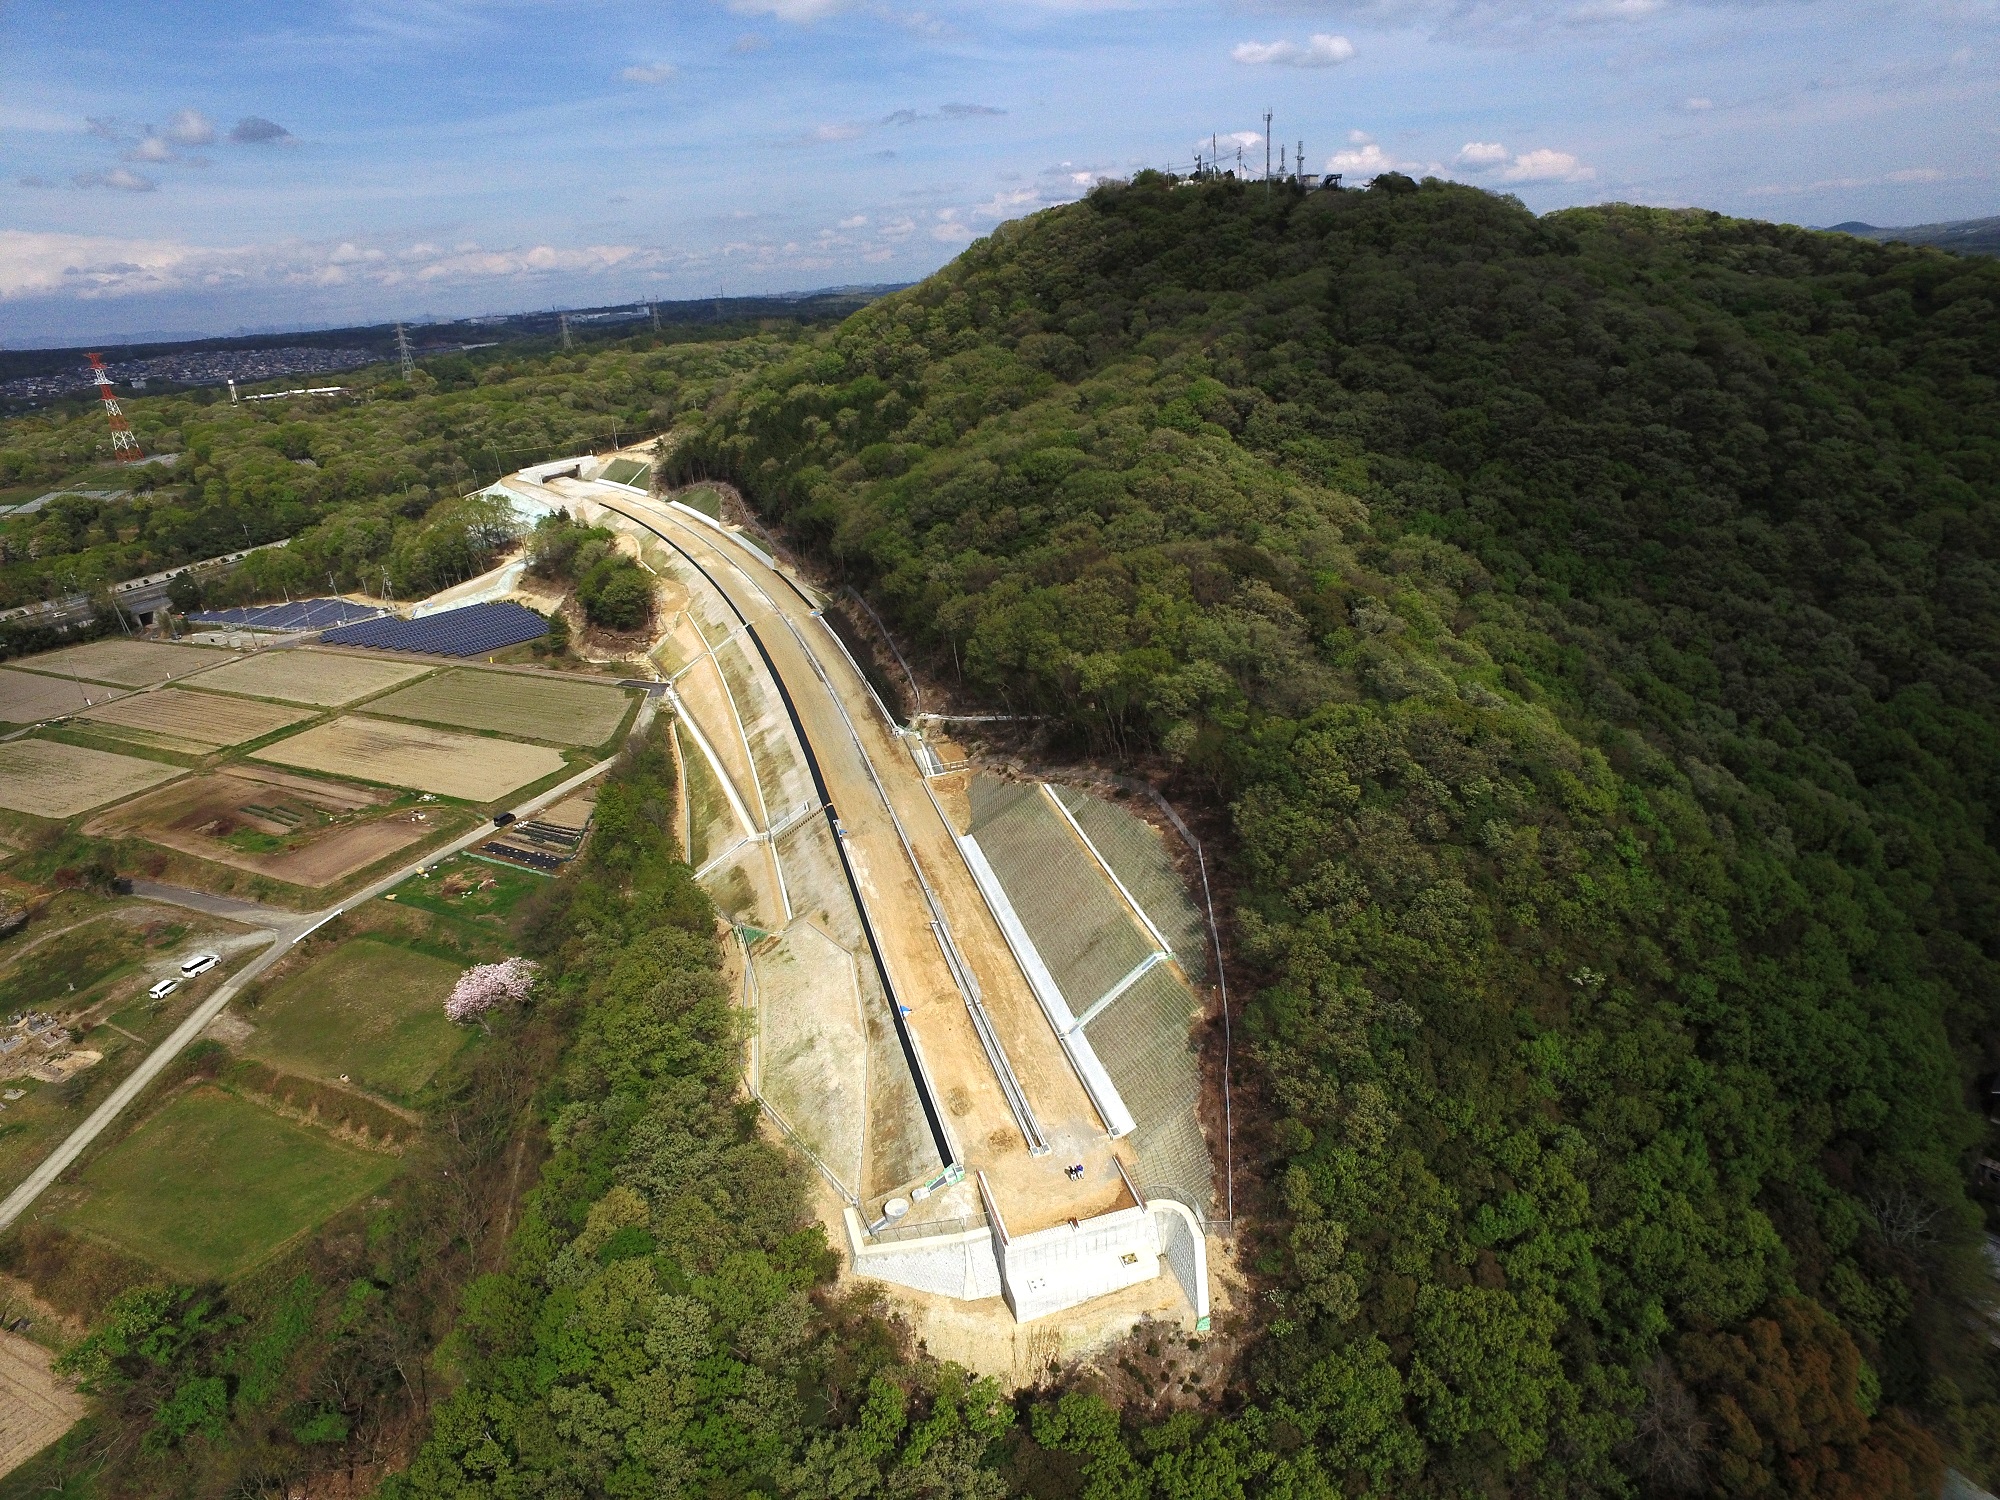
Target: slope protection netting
[
  {"x": 1142, "y": 1039},
  {"x": 1090, "y": 942},
  {"x": 1137, "y": 853},
  {"x": 1075, "y": 919}
]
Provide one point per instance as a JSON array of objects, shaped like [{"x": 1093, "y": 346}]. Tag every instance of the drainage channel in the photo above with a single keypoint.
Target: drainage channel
[{"x": 919, "y": 1075}]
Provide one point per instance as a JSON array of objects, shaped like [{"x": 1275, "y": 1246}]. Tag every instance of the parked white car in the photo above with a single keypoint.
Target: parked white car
[
  {"x": 164, "y": 988},
  {"x": 201, "y": 963}
]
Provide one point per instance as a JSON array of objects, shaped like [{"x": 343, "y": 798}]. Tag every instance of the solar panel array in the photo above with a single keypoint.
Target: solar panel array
[
  {"x": 471, "y": 631},
  {"x": 300, "y": 614}
]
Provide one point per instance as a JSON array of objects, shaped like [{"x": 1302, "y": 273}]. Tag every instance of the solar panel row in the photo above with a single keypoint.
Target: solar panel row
[
  {"x": 300, "y": 614},
  {"x": 472, "y": 631}
]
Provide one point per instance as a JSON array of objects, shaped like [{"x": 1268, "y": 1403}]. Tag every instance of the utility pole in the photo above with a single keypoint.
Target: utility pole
[
  {"x": 403, "y": 354},
  {"x": 1299, "y": 163}
]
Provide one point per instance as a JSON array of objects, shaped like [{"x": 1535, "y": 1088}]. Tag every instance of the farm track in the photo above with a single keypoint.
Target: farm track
[{"x": 282, "y": 937}]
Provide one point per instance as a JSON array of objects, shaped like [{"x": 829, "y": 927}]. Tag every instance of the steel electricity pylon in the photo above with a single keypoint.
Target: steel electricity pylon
[{"x": 124, "y": 441}]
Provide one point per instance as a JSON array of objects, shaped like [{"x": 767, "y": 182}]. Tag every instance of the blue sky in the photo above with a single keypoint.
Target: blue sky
[{"x": 204, "y": 167}]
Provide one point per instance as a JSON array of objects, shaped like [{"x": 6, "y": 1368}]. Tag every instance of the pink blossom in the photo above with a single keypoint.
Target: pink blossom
[{"x": 486, "y": 987}]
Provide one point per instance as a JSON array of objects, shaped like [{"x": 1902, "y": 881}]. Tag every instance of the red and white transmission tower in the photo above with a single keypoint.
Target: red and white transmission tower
[{"x": 124, "y": 441}]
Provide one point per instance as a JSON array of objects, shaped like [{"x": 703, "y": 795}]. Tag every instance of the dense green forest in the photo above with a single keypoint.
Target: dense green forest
[
  {"x": 369, "y": 489},
  {"x": 1587, "y": 623},
  {"x": 1581, "y": 629}
]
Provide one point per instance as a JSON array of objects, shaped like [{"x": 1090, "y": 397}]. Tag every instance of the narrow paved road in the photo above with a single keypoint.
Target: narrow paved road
[
  {"x": 234, "y": 908},
  {"x": 282, "y": 937}
]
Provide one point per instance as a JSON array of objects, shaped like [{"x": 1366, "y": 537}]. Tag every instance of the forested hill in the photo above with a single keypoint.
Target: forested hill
[{"x": 1589, "y": 624}]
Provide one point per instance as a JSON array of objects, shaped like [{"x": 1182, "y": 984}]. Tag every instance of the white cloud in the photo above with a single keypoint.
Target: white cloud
[
  {"x": 1697, "y": 104},
  {"x": 1596, "y": 11},
  {"x": 1546, "y": 166},
  {"x": 854, "y": 222},
  {"x": 118, "y": 178},
  {"x": 658, "y": 72},
  {"x": 1541, "y": 165},
  {"x": 1321, "y": 50},
  {"x": 1010, "y": 201},
  {"x": 152, "y": 149},
  {"x": 1917, "y": 174},
  {"x": 748, "y": 42},
  {"x": 949, "y": 230},
  {"x": 190, "y": 127},
  {"x": 94, "y": 268},
  {"x": 1359, "y": 138},
  {"x": 1367, "y": 161},
  {"x": 796, "y": 11},
  {"x": 847, "y": 131}
]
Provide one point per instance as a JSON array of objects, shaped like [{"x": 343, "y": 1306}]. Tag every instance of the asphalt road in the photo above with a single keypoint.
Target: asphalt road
[{"x": 282, "y": 937}]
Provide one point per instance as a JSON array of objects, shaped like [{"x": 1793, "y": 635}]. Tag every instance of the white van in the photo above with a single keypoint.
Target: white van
[
  {"x": 164, "y": 988},
  {"x": 201, "y": 963}
]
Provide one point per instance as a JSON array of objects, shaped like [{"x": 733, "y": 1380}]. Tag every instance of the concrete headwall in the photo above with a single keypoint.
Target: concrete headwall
[{"x": 1053, "y": 1269}]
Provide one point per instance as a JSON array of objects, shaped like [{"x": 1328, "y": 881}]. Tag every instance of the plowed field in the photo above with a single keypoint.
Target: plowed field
[
  {"x": 536, "y": 708},
  {"x": 51, "y": 780},
  {"x": 326, "y": 678},
  {"x": 429, "y": 760},
  {"x": 127, "y": 663},
  {"x": 28, "y": 699},
  {"x": 195, "y": 720}
]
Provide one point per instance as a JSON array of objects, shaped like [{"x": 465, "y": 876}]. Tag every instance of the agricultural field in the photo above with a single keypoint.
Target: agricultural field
[
  {"x": 195, "y": 722},
  {"x": 325, "y": 679},
  {"x": 535, "y": 708},
  {"x": 124, "y": 662},
  {"x": 296, "y": 829},
  {"x": 52, "y": 780},
  {"x": 212, "y": 1185},
  {"x": 28, "y": 699},
  {"x": 410, "y": 755},
  {"x": 371, "y": 1010},
  {"x": 36, "y": 1406}
]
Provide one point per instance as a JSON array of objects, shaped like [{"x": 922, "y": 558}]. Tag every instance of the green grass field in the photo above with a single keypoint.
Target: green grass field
[
  {"x": 371, "y": 1010},
  {"x": 535, "y": 708},
  {"x": 68, "y": 968},
  {"x": 212, "y": 1185},
  {"x": 470, "y": 888}
]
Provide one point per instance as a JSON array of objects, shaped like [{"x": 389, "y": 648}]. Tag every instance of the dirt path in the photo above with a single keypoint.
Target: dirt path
[{"x": 36, "y": 1407}]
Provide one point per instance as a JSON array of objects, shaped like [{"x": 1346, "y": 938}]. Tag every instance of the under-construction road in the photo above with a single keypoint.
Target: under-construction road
[{"x": 898, "y": 844}]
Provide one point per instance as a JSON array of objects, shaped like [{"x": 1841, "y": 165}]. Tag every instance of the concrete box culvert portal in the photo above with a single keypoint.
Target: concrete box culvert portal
[{"x": 1050, "y": 1270}]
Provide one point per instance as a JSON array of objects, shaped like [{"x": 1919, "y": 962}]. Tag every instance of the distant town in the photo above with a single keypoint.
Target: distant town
[{"x": 195, "y": 367}]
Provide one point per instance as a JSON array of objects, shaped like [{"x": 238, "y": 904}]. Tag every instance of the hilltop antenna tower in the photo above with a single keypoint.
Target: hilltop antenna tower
[
  {"x": 124, "y": 441},
  {"x": 654, "y": 309},
  {"x": 403, "y": 353},
  {"x": 562, "y": 321},
  {"x": 1267, "y": 149}
]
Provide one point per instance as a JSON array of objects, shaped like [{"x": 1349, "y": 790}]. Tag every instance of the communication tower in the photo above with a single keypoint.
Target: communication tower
[
  {"x": 124, "y": 442},
  {"x": 567, "y": 341},
  {"x": 1267, "y": 145},
  {"x": 403, "y": 353}
]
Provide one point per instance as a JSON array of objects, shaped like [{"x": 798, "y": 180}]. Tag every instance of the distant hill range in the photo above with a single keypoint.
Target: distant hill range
[
  {"x": 32, "y": 376},
  {"x": 1965, "y": 236}
]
